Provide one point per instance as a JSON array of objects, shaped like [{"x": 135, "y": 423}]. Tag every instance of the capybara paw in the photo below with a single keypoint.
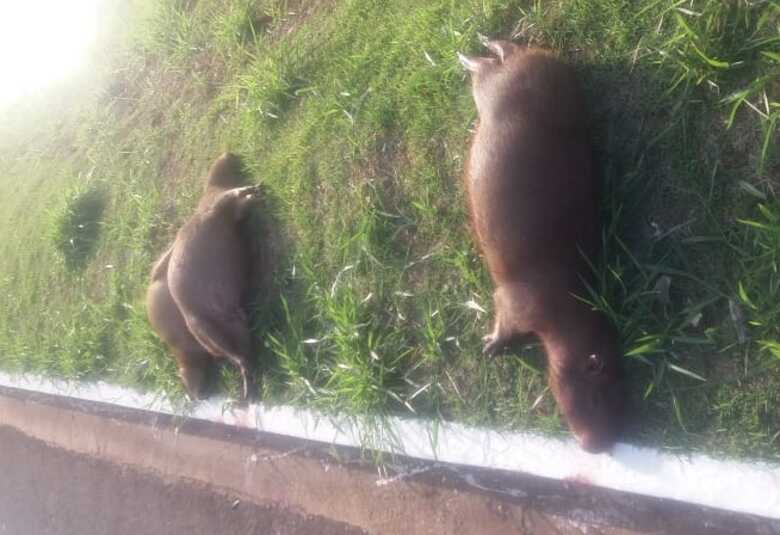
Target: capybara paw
[
  {"x": 493, "y": 345},
  {"x": 247, "y": 387},
  {"x": 248, "y": 191}
]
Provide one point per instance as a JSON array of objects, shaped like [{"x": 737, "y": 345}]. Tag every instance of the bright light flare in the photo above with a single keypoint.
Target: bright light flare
[{"x": 42, "y": 41}]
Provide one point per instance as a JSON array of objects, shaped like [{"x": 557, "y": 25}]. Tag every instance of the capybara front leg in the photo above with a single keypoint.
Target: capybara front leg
[{"x": 510, "y": 322}]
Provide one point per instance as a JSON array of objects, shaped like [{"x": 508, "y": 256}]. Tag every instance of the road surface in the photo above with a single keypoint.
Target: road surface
[{"x": 49, "y": 491}]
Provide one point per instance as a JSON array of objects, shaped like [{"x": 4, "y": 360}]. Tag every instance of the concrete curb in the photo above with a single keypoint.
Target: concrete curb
[{"x": 426, "y": 447}]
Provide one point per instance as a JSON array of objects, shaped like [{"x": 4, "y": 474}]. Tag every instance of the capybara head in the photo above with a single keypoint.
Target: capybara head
[
  {"x": 226, "y": 172},
  {"x": 589, "y": 390},
  {"x": 522, "y": 78}
]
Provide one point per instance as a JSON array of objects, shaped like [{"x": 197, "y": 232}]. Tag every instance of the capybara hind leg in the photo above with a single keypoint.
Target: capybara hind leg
[
  {"x": 247, "y": 383},
  {"x": 192, "y": 371},
  {"x": 160, "y": 268},
  {"x": 229, "y": 339}
]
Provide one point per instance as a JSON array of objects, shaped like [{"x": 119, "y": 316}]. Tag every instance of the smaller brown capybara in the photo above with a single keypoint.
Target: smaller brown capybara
[
  {"x": 199, "y": 285},
  {"x": 533, "y": 200}
]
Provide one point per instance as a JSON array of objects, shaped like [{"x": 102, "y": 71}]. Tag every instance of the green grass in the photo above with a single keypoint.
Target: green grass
[
  {"x": 356, "y": 116},
  {"x": 76, "y": 227}
]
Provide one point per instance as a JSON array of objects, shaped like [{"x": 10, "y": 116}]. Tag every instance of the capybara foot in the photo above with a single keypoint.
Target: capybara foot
[
  {"x": 494, "y": 345},
  {"x": 246, "y": 197},
  {"x": 248, "y": 191},
  {"x": 194, "y": 380},
  {"x": 248, "y": 387}
]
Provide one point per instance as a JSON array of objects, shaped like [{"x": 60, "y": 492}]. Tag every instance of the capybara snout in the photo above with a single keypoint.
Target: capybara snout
[
  {"x": 592, "y": 396},
  {"x": 533, "y": 199}
]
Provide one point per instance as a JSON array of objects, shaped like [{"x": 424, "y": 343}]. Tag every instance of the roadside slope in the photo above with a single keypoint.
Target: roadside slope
[{"x": 356, "y": 116}]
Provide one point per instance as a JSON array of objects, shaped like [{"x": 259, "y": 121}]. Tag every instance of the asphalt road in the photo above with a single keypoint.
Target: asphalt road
[
  {"x": 45, "y": 490},
  {"x": 68, "y": 466}
]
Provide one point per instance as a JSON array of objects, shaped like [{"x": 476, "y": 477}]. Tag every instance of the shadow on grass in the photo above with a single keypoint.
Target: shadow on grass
[
  {"x": 667, "y": 277},
  {"x": 269, "y": 252},
  {"x": 78, "y": 226}
]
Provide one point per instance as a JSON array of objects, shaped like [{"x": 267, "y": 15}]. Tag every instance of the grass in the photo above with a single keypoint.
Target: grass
[
  {"x": 76, "y": 227},
  {"x": 356, "y": 116}
]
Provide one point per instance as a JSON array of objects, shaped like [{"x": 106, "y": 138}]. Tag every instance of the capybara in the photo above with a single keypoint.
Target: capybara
[
  {"x": 199, "y": 285},
  {"x": 533, "y": 200}
]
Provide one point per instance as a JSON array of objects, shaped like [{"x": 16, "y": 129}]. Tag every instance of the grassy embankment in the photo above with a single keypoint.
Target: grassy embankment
[{"x": 356, "y": 115}]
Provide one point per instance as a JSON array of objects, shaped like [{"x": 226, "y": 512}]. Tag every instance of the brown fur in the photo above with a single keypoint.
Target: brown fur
[
  {"x": 191, "y": 358},
  {"x": 534, "y": 208},
  {"x": 225, "y": 173},
  {"x": 198, "y": 286}
]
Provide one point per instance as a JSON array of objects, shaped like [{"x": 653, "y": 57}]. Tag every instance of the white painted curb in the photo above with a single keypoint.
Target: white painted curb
[{"x": 743, "y": 487}]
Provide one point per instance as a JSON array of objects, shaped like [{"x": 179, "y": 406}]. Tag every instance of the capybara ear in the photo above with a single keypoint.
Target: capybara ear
[
  {"x": 475, "y": 64},
  {"x": 227, "y": 171},
  {"x": 502, "y": 49}
]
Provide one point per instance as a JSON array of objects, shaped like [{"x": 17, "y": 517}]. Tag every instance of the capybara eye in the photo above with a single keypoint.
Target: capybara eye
[{"x": 595, "y": 364}]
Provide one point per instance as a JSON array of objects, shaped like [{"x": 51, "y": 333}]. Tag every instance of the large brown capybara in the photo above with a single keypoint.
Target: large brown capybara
[
  {"x": 199, "y": 285},
  {"x": 534, "y": 208}
]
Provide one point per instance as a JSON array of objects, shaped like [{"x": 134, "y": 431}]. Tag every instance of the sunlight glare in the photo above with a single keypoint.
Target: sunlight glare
[{"x": 42, "y": 41}]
